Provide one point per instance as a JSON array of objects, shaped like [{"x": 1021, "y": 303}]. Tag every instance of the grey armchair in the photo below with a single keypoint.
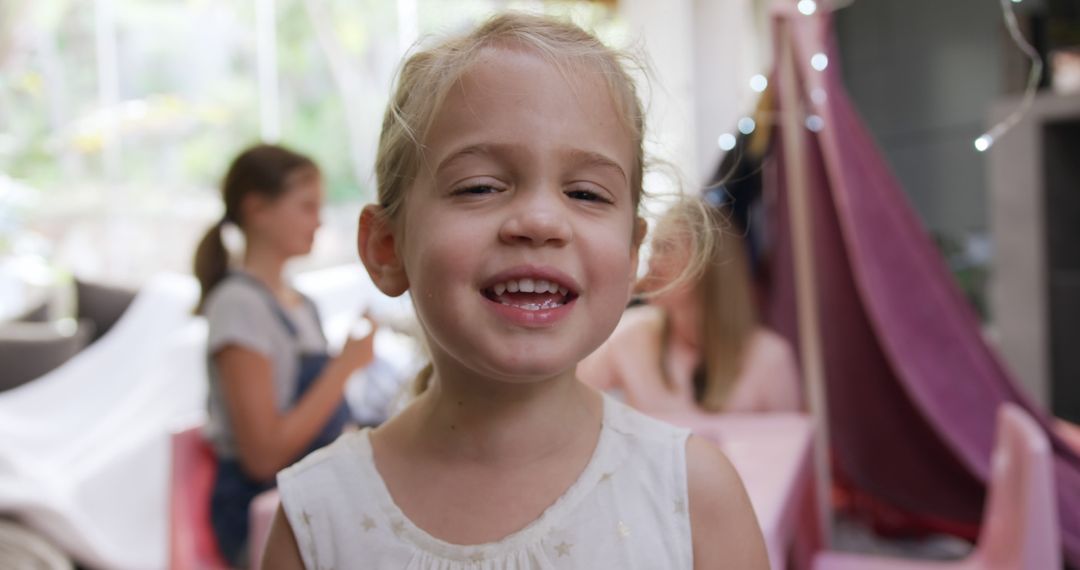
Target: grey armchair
[{"x": 32, "y": 349}]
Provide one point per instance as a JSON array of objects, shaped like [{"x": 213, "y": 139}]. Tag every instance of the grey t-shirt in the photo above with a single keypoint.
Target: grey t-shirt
[{"x": 239, "y": 312}]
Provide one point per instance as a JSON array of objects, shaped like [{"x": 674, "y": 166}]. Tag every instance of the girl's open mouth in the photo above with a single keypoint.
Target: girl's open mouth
[{"x": 529, "y": 294}]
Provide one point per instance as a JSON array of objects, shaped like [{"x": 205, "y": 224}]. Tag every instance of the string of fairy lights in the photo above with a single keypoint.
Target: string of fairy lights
[
  {"x": 986, "y": 140},
  {"x": 820, "y": 61}
]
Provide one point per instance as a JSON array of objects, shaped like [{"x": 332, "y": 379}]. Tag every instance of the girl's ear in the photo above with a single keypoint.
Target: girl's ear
[
  {"x": 252, "y": 205},
  {"x": 378, "y": 250}
]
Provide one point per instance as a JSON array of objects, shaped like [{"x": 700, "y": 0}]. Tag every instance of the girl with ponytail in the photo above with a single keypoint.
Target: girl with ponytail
[{"x": 275, "y": 392}]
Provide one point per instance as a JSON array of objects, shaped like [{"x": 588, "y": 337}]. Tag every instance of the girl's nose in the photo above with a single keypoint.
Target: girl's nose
[{"x": 538, "y": 220}]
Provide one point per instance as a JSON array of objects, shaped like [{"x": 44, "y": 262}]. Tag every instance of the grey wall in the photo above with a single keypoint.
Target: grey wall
[{"x": 923, "y": 74}]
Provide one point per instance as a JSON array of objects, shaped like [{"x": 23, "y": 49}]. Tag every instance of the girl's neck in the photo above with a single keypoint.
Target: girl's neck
[
  {"x": 501, "y": 423},
  {"x": 267, "y": 266}
]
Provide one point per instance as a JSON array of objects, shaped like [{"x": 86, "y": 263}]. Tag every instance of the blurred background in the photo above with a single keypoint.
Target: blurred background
[
  {"x": 116, "y": 116},
  {"x": 118, "y": 119}
]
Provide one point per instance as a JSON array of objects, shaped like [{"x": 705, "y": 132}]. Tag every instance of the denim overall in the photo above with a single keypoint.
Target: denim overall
[{"x": 233, "y": 489}]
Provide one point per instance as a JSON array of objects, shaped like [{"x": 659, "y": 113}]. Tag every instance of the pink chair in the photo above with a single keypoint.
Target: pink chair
[
  {"x": 1020, "y": 526},
  {"x": 192, "y": 545},
  {"x": 1069, "y": 432}
]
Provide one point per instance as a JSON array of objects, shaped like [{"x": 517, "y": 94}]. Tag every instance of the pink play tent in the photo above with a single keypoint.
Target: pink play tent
[{"x": 909, "y": 387}]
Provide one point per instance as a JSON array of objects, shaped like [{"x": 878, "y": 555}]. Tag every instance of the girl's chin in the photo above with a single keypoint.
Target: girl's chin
[
  {"x": 531, "y": 377},
  {"x": 524, "y": 372}
]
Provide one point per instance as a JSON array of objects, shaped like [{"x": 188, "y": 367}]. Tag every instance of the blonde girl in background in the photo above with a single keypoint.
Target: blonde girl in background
[
  {"x": 698, "y": 346},
  {"x": 509, "y": 179}
]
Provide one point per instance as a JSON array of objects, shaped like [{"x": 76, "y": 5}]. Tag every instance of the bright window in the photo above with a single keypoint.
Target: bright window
[{"x": 118, "y": 117}]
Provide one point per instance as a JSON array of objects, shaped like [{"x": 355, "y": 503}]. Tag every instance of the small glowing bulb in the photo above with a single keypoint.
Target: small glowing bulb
[
  {"x": 819, "y": 96},
  {"x": 815, "y": 123},
  {"x": 1017, "y": 1},
  {"x": 984, "y": 142},
  {"x": 726, "y": 141},
  {"x": 759, "y": 83},
  {"x": 820, "y": 61},
  {"x": 747, "y": 125},
  {"x": 808, "y": 7}
]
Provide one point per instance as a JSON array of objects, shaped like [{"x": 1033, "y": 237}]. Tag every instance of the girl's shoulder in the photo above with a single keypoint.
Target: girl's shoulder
[
  {"x": 633, "y": 342},
  {"x": 345, "y": 455},
  {"x": 237, "y": 310},
  {"x": 329, "y": 478},
  {"x": 723, "y": 519},
  {"x": 770, "y": 345},
  {"x": 770, "y": 380},
  {"x": 643, "y": 316},
  {"x": 773, "y": 357},
  {"x": 639, "y": 322},
  {"x": 233, "y": 290},
  {"x": 332, "y": 502},
  {"x": 648, "y": 430}
]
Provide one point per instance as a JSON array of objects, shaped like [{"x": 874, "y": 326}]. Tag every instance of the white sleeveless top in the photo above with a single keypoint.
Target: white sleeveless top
[{"x": 628, "y": 509}]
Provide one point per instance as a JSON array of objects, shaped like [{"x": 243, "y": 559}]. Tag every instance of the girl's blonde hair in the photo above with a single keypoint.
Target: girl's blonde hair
[
  {"x": 427, "y": 76},
  {"x": 720, "y": 271}
]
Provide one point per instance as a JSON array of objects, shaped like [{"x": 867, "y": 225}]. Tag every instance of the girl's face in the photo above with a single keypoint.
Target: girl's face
[
  {"x": 668, "y": 258},
  {"x": 520, "y": 236},
  {"x": 288, "y": 222}
]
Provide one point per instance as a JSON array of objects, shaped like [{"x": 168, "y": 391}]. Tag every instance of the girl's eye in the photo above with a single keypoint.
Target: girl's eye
[
  {"x": 477, "y": 189},
  {"x": 588, "y": 196}
]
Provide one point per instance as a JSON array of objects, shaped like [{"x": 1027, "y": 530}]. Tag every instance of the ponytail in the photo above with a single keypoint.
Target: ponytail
[{"x": 211, "y": 263}]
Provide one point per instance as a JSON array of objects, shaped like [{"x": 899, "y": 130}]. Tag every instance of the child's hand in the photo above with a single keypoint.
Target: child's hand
[{"x": 359, "y": 349}]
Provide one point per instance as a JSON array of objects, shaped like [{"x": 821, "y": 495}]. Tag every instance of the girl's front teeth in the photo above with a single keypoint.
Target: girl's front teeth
[{"x": 529, "y": 286}]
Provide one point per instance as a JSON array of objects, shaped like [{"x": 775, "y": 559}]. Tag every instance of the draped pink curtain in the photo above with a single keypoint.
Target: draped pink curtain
[{"x": 912, "y": 387}]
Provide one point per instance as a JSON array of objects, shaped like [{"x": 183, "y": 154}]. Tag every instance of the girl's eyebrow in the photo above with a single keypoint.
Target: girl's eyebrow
[
  {"x": 579, "y": 156},
  {"x": 483, "y": 150},
  {"x": 590, "y": 158}
]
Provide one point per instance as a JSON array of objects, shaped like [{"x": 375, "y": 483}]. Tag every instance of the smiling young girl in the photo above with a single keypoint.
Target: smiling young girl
[{"x": 509, "y": 177}]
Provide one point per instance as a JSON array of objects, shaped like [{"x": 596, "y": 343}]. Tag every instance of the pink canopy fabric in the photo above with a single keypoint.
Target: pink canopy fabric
[{"x": 912, "y": 388}]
